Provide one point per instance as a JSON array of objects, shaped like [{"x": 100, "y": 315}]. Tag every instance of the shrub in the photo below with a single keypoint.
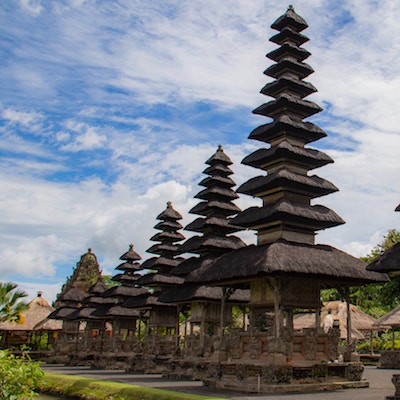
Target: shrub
[{"x": 19, "y": 376}]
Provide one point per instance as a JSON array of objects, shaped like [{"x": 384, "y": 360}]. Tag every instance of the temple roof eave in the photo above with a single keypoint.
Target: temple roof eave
[{"x": 282, "y": 257}]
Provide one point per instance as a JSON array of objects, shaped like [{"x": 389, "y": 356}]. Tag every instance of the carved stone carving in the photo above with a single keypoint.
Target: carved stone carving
[{"x": 310, "y": 344}]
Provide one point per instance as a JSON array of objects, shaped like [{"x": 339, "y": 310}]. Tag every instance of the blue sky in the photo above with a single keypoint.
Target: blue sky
[{"x": 109, "y": 109}]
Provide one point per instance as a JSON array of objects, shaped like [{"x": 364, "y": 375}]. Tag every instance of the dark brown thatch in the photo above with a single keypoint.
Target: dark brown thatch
[
  {"x": 282, "y": 257},
  {"x": 188, "y": 293},
  {"x": 287, "y": 150},
  {"x": 315, "y": 217},
  {"x": 145, "y": 301},
  {"x": 116, "y": 311},
  {"x": 94, "y": 300},
  {"x": 391, "y": 319},
  {"x": 161, "y": 263},
  {"x": 127, "y": 266},
  {"x": 388, "y": 262},
  {"x": 124, "y": 291},
  {"x": 48, "y": 325},
  {"x": 159, "y": 278},
  {"x": 63, "y": 313},
  {"x": 191, "y": 264},
  {"x": 73, "y": 295},
  {"x": 98, "y": 288},
  {"x": 219, "y": 244}
]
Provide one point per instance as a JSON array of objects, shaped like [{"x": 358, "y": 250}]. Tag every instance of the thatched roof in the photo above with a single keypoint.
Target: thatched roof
[
  {"x": 282, "y": 257},
  {"x": 212, "y": 242},
  {"x": 191, "y": 264},
  {"x": 98, "y": 288},
  {"x": 388, "y": 262},
  {"x": 124, "y": 291},
  {"x": 188, "y": 293},
  {"x": 62, "y": 313},
  {"x": 48, "y": 325},
  {"x": 360, "y": 321},
  {"x": 391, "y": 319},
  {"x": 116, "y": 311},
  {"x": 145, "y": 301},
  {"x": 130, "y": 255},
  {"x": 159, "y": 278},
  {"x": 74, "y": 294},
  {"x": 38, "y": 310}
]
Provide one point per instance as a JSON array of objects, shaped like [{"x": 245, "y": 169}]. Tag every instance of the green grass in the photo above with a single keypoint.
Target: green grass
[{"x": 92, "y": 389}]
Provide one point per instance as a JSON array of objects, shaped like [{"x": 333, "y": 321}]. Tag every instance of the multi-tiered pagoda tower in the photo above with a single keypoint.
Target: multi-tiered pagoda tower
[
  {"x": 286, "y": 189},
  {"x": 286, "y": 270}
]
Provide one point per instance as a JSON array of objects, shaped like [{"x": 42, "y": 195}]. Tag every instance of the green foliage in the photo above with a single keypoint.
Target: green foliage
[
  {"x": 375, "y": 299},
  {"x": 11, "y": 305},
  {"x": 19, "y": 376},
  {"x": 391, "y": 238}
]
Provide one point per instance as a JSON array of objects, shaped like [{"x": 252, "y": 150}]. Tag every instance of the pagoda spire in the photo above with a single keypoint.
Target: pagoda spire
[
  {"x": 286, "y": 189},
  {"x": 216, "y": 210}
]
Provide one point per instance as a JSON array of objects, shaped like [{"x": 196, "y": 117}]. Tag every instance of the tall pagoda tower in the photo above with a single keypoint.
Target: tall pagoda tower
[
  {"x": 215, "y": 238},
  {"x": 286, "y": 188}
]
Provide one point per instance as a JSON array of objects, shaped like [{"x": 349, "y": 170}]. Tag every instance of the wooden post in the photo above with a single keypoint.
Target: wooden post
[{"x": 223, "y": 301}]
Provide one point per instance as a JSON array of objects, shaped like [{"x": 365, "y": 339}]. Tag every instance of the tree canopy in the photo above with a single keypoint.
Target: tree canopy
[{"x": 375, "y": 299}]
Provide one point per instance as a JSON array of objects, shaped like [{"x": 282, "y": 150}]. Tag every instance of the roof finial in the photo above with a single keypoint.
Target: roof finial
[
  {"x": 220, "y": 148},
  {"x": 89, "y": 250},
  {"x": 131, "y": 246},
  {"x": 290, "y": 7},
  {"x": 169, "y": 204}
]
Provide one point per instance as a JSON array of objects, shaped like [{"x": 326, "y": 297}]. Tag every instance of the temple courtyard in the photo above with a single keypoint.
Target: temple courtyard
[{"x": 380, "y": 384}]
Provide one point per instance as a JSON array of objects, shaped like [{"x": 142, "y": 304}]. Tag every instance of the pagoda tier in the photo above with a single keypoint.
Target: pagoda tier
[
  {"x": 286, "y": 190},
  {"x": 167, "y": 249},
  {"x": 130, "y": 268},
  {"x": 216, "y": 210}
]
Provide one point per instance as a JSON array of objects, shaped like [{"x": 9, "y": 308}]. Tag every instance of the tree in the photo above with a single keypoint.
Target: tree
[
  {"x": 390, "y": 239},
  {"x": 374, "y": 299},
  {"x": 11, "y": 305}
]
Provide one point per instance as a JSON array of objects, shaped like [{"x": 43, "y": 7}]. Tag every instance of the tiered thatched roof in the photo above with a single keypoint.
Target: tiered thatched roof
[{"x": 282, "y": 258}]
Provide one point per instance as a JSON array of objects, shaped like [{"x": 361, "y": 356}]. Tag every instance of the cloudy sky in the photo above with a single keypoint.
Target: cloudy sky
[{"x": 109, "y": 109}]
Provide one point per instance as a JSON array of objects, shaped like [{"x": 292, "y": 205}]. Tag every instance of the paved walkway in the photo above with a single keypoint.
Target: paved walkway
[{"x": 380, "y": 385}]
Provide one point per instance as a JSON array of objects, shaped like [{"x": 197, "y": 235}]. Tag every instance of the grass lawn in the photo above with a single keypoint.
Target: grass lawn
[{"x": 92, "y": 389}]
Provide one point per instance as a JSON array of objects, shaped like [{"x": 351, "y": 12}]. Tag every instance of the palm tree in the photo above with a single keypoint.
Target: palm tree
[{"x": 11, "y": 305}]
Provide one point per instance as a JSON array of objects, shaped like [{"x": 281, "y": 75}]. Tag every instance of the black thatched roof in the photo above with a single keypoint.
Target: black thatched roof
[
  {"x": 127, "y": 266},
  {"x": 63, "y": 313},
  {"x": 116, "y": 311},
  {"x": 158, "y": 278},
  {"x": 388, "y": 262},
  {"x": 124, "y": 291},
  {"x": 162, "y": 262},
  {"x": 130, "y": 255},
  {"x": 73, "y": 295},
  {"x": 282, "y": 257},
  {"x": 191, "y": 264},
  {"x": 189, "y": 293},
  {"x": 217, "y": 244},
  {"x": 146, "y": 301},
  {"x": 313, "y": 217},
  {"x": 94, "y": 300},
  {"x": 98, "y": 288}
]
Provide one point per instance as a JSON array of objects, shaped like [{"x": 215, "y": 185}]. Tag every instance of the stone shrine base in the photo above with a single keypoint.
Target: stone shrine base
[{"x": 258, "y": 377}]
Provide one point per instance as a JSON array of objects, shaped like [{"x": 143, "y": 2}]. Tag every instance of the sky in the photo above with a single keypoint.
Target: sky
[{"x": 110, "y": 108}]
